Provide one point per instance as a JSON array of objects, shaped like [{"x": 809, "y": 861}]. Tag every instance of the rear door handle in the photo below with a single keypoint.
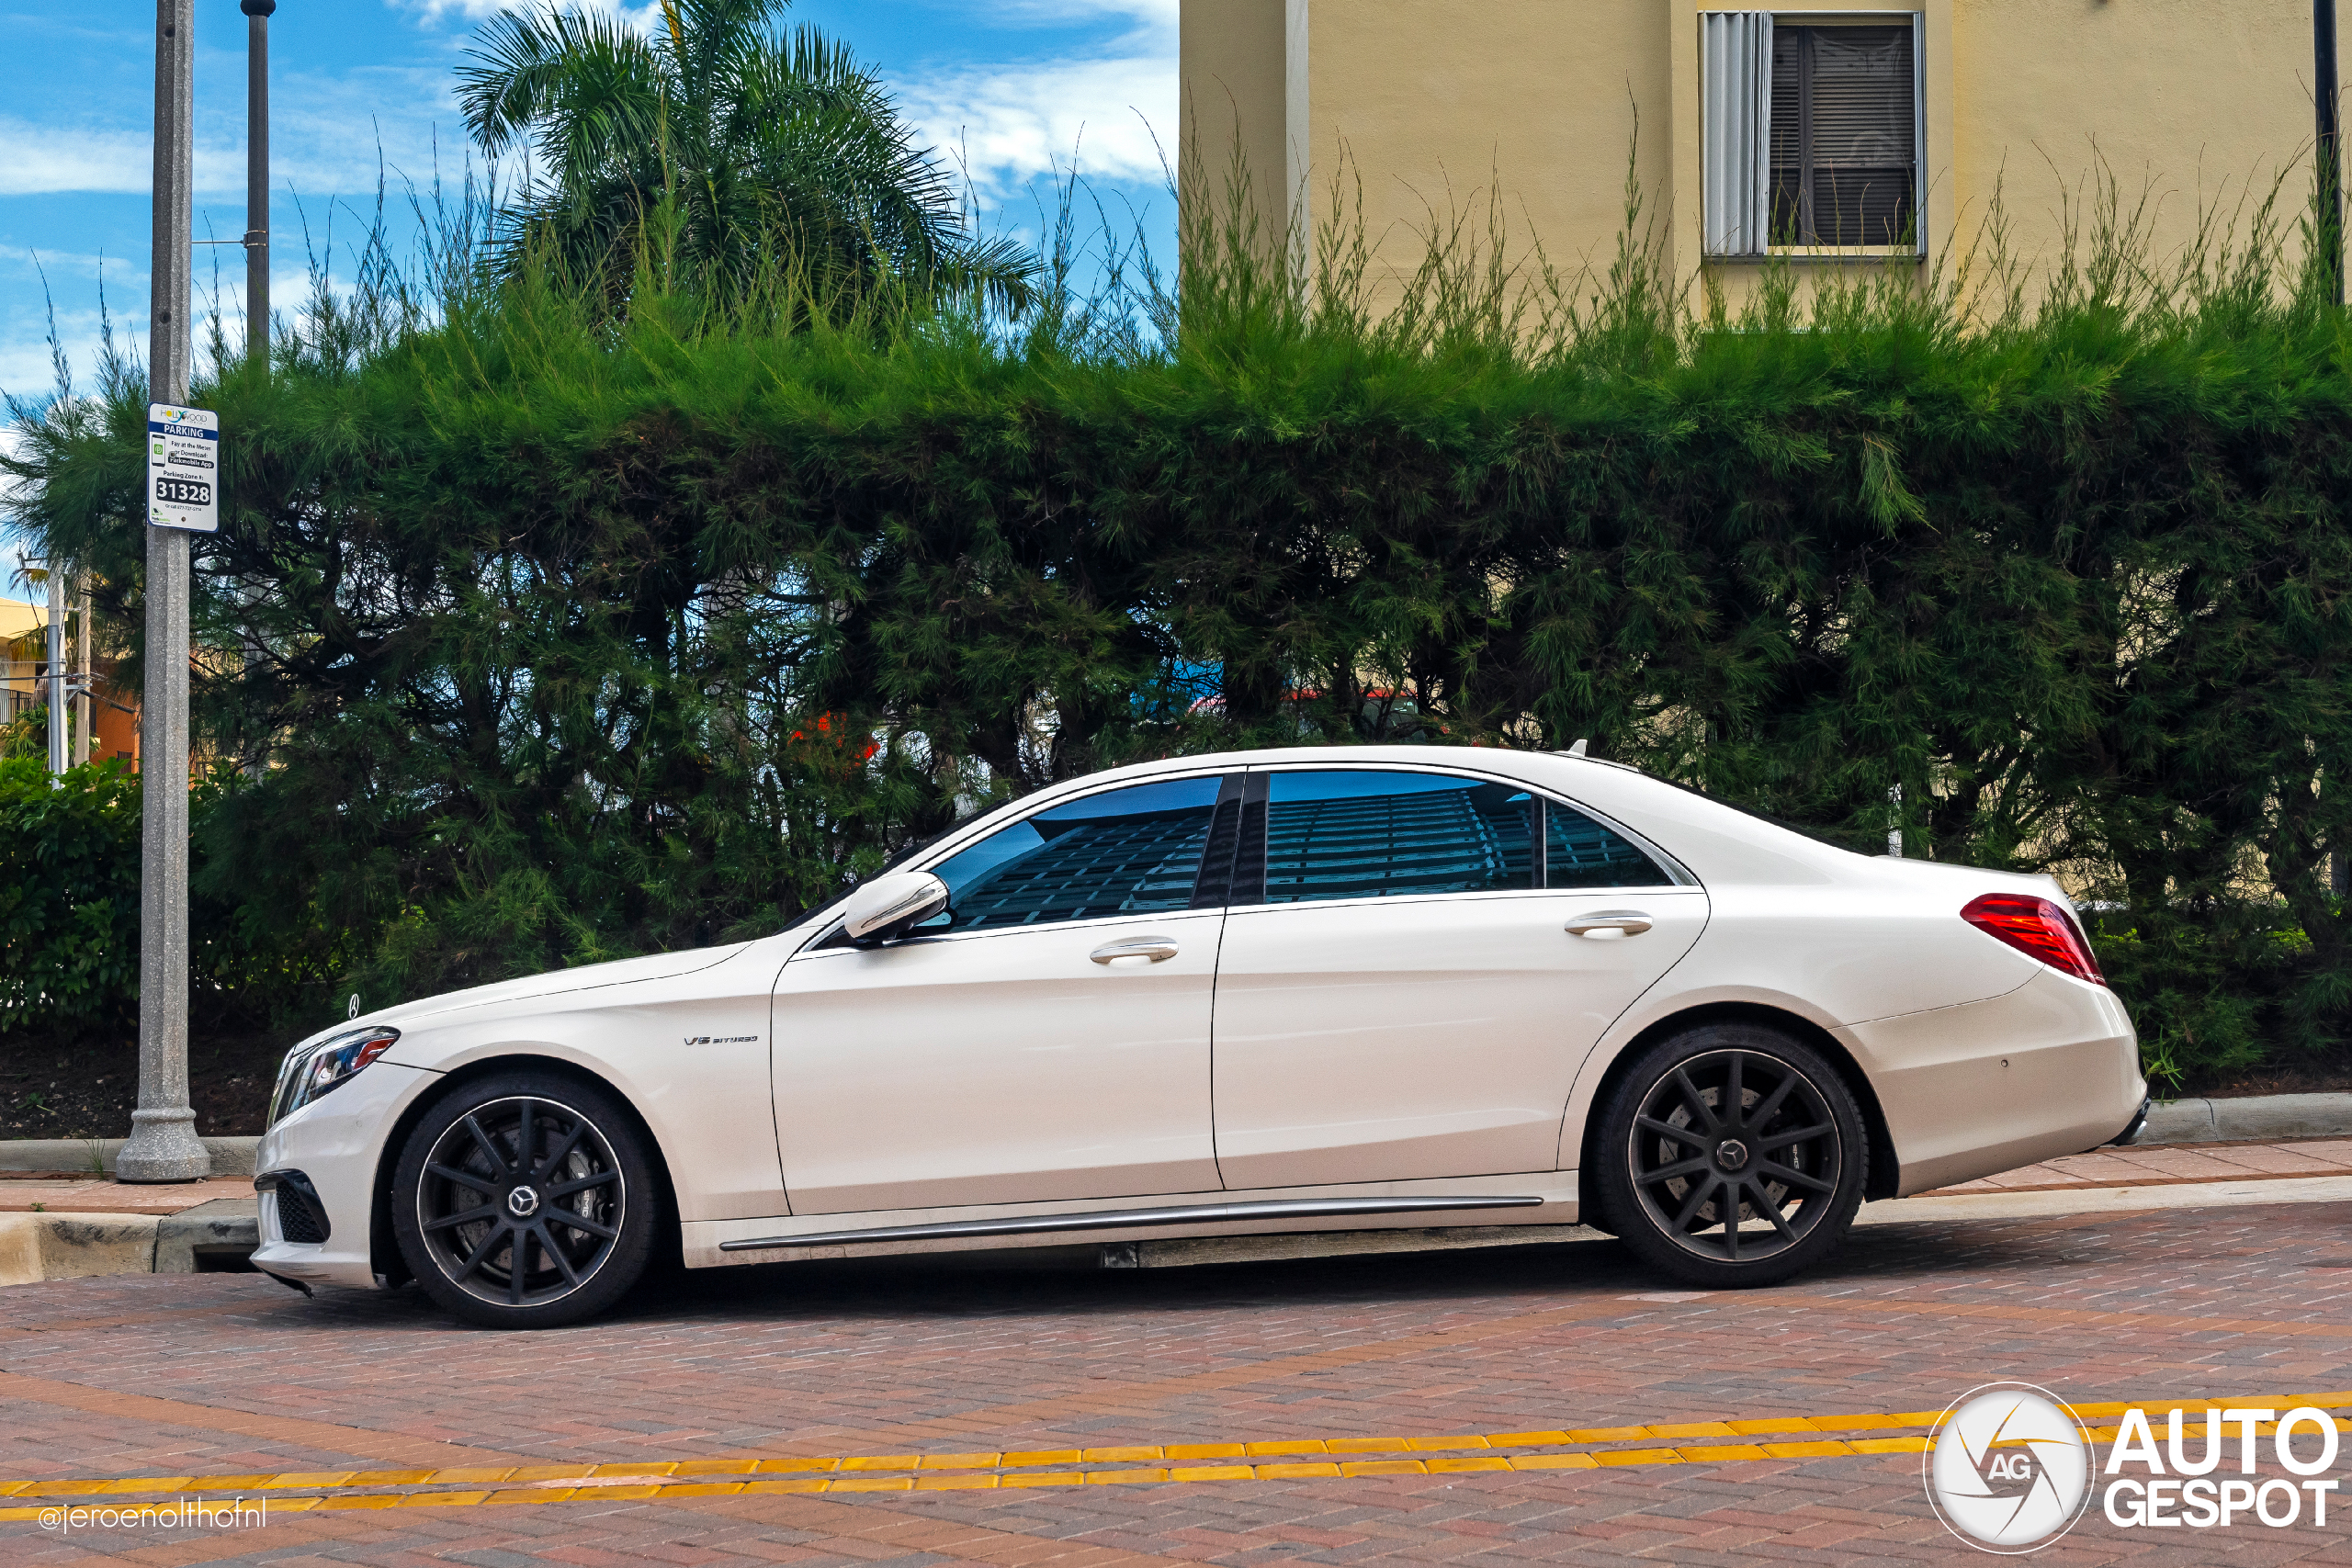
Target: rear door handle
[
  {"x": 1154, "y": 948},
  {"x": 1608, "y": 925}
]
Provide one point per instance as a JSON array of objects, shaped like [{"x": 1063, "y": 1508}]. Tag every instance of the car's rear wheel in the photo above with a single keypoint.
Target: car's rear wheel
[
  {"x": 524, "y": 1200},
  {"x": 1732, "y": 1156}
]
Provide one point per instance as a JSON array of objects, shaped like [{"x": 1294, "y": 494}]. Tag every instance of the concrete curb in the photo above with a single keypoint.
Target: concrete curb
[
  {"x": 230, "y": 1156},
  {"x": 210, "y": 1236},
  {"x": 34, "y": 1248},
  {"x": 2267, "y": 1118},
  {"x": 75, "y": 1246}
]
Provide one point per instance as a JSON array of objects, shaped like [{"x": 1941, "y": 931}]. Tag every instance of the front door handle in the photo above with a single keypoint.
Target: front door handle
[
  {"x": 1609, "y": 925},
  {"x": 1152, "y": 948}
]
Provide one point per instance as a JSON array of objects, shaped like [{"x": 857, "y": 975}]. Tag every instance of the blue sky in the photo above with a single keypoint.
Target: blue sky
[
  {"x": 1008, "y": 88},
  {"x": 1014, "y": 85}
]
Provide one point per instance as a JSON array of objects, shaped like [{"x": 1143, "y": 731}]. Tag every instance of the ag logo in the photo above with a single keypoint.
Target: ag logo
[{"x": 2009, "y": 1469}]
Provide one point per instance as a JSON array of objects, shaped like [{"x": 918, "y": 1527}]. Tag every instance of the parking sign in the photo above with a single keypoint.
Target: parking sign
[{"x": 183, "y": 467}]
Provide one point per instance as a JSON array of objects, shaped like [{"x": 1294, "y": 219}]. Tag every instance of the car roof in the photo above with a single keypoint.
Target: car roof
[{"x": 1714, "y": 841}]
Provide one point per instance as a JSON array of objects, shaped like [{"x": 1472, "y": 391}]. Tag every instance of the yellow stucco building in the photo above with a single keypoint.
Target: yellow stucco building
[{"x": 1871, "y": 134}]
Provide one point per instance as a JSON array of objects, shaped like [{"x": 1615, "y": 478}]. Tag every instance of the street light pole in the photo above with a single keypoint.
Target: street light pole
[
  {"x": 163, "y": 1144},
  {"x": 257, "y": 15},
  {"x": 57, "y": 681},
  {"x": 85, "y": 696}
]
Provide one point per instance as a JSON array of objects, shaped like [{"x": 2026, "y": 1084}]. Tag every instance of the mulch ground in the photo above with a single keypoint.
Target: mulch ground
[
  {"x": 87, "y": 1088},
  {"x": 2326, "y": 1076}
]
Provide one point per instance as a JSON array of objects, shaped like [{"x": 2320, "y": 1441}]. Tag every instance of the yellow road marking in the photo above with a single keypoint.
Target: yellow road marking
[{"x": 698, "y": 1477}]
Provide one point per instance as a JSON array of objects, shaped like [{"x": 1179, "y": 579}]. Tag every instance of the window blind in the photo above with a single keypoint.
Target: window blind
[
  {"x": 1737, "y": 84},
  {"x": 1844, "y": 138}
]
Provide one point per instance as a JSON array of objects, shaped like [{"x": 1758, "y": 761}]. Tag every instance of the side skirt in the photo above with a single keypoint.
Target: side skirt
[{"x": 1138, "y": 1218}]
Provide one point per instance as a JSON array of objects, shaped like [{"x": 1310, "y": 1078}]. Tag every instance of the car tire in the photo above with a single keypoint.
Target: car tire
[
  {"x": 1786, "y": 1166},
  {"x": 538, "y": 1165}
]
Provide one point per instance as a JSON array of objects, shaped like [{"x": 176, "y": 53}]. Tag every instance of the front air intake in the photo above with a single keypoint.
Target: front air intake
[{"x": 302, "y": 1217}]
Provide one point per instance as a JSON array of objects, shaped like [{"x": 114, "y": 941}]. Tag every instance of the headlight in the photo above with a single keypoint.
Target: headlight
[{"x": 312, "y": 1070}]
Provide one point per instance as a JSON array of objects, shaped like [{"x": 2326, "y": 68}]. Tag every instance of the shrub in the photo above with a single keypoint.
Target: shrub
[
  {"x": 69, "y": 895},
  {"x": 544, "y": 638}
]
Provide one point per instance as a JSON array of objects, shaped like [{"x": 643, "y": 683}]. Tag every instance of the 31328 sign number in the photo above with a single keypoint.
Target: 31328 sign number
[{"x": 173, "y": 490}]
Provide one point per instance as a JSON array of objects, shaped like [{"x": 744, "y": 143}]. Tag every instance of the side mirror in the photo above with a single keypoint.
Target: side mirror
[{"x": 887, "y": 907}]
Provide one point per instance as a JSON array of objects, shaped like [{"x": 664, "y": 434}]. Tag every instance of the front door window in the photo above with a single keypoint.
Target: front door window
[{"x": 1126, "y": 851}]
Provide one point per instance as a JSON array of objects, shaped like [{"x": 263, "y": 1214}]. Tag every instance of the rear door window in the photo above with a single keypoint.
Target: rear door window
[
  {"x": 1581, "y": 852},
  {"x": 1360, "y": 834},
  {"x": 1364, "y": 833}
]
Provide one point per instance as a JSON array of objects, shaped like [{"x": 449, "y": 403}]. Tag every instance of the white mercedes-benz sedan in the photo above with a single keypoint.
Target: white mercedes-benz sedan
[{"x": 1291, "y": 990}]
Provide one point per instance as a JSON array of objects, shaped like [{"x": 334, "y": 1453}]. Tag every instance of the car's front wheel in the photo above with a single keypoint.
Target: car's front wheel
[
  {"x": 524, "y": 1200},
  {"x": 1732, "y": 1156}
]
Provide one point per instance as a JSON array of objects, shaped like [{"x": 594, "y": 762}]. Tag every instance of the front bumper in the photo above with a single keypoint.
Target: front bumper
[{"x": 336, "y": 1142}]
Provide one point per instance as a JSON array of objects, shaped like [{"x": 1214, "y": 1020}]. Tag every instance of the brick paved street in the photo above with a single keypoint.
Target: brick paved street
[{"x": 231, "y": 1375}]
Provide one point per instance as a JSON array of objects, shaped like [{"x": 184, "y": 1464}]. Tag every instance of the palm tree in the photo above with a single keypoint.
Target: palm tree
[{"x": 740, "y": 136}]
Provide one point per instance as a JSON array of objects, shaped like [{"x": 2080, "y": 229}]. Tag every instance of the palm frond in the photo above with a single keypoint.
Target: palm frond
[{"x": 747, "y": 136}]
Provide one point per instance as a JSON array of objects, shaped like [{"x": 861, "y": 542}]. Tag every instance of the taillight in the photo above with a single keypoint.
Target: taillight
[{"x": 2037, "y": 928}]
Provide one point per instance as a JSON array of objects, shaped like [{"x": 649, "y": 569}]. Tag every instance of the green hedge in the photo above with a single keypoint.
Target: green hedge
[
  {"x": 69, "y": 895},
  {"x": 564, "y": 638}
]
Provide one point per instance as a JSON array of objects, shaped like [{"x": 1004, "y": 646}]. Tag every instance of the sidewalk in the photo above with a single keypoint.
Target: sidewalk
[
  {"x": 55, "y": 1226},
  {"x": 104, "y": 1195},
  {"x": 2167, "y": 1165}
]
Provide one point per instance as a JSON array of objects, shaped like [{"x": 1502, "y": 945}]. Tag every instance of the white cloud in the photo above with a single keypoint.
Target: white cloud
[
  {"x": 1156, "y": 15},
  {"x": 327, "y": 132},
  {"x": 66, "y": 263},
  {"x": 326, "y": 135},
  {"x": 11, "y": 544},
  {"x": 1150, "y": 16},
  {"x": 44, "y": 160},
  {"x": 26, "y": 369},
  {"x": 470, "y": 11},
  {"x": 1114, "y": 119}
]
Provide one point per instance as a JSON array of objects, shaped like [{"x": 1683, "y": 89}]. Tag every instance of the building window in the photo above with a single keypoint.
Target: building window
[
  {"x": 1845, "y": 143},
  {"x": 1812, "y": 132}
]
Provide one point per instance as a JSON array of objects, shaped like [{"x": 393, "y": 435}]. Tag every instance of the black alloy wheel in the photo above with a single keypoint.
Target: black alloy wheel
[
  {"x": 525, "y": 1201},
  {"x": 1732, "y": 1156}
]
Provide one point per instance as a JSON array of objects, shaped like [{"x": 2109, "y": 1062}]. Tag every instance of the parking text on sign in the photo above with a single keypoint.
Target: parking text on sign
[{"x": 183, "y": 467}]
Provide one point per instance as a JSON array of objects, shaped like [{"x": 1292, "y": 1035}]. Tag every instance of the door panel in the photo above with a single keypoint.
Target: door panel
[
  {"x": 1411, "y": 1038},
  {"x": 1049, "y": 1041},
  {"x": 1407, "y": 1002},
  {"x": 997, "y": 1067}
]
